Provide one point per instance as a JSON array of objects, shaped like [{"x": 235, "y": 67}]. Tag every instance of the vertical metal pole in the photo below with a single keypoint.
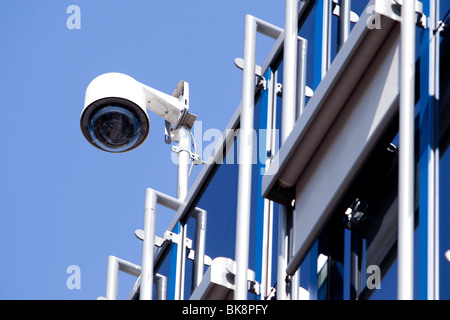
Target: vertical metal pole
[
  {"x": 295, "y": 278},
  {"x": 344, "y": 21},
  {"x": 148, "y": 245},
  {"x": 266, "y": 250},
  {"x": 200, "y": 234},
  {"x": 112, "y": 275},
  {"x": 180, "y": 265},
  {"x": 184, "y": 159},
  {"x": 288, "y": 118},
  {"x": 184, "y": 147},
  {"x": 263, "y": 206},
  {"x": 406, "y": 154},
  {"x": 326, "y": 48},
  {"x": 161, "y": 287},
  {"x": 433, "y": 210},
  {"x": 245, "y": 159},
  {"x": 355, "y": 266},
  {"x": 302, "y": 51},
  {"x": 282, "y": 253},
  {"x": 288, "y": 115}
]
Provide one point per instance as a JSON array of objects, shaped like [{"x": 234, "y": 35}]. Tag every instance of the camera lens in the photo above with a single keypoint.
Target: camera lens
[
  {"x": 114, "y": 128},
  {"x": 114, "y": 124}
]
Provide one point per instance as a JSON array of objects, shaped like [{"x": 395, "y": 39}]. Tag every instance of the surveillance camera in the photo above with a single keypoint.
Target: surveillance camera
[{"x": 114, "y": 117}]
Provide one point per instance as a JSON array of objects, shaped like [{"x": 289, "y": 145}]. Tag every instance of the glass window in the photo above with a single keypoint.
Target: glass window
[
  {"x": 358, "y": 7},
  {"x": 164, "y": 269},
  {"x": 444, "y": 224},
  {"x": 189, "y": 263},
  {"x": 310, "y": 29},
  {"x": 369, "y": 212},
  {"x": 444, "y": 8},
  {"x": 334, "y": 35},
  {"x": 360, "y": 261},
  {"x": 219, "y": 199}
]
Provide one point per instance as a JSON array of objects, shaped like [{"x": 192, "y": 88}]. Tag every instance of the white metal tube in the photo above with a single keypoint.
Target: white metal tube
[
  {"x": 112, "y": 275},
  {"x": 433, "y": 187},
  {"x": 406, "y": 154},
  {"x": 200, "y": 235},
  {"x": 355, "y": 266},
  {"x": 167, "y": 201},
  {"x": 302, "y": 51},
  {"x": 161, "y": 287},
  {"x": 267, "y": 239},
  {"x": 326, "y": 37},
  {"x": 252, "y": 26},
  {"x": 180, "y": 264},
  {"x": 288, "y": 117},
  {"x": 267, "y": 28},
  {"x": 344, "y": 21},
  {"x": 128, "y": 267},
  {"x": 266, "y": 245},
  {"x": 184, "y": 158},
  {"x": 282, "y": 253},
  {"x": 245, "y": 159},
  {"x": 148, "y": 245}
]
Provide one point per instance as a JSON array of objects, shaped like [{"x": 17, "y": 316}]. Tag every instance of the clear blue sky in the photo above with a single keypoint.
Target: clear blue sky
[{"x": 63, "y": 202}]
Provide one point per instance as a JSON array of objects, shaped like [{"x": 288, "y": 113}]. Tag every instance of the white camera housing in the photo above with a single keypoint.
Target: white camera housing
[{"x": 114, "y": 117}]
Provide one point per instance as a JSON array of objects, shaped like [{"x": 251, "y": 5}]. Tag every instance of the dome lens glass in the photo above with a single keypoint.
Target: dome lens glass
[{"x": 114, "y": 128}]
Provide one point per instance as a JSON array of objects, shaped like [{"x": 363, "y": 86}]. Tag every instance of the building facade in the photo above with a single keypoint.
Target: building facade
[{"x": 300, "y": 199}]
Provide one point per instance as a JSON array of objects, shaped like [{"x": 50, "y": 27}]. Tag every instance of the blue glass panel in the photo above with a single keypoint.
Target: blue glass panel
[
  {"x": 164, "y": 270},
  {"x": 358, "y": 6},
  {"x": 444, "y": 8},
  {"x": 173, "y": 256},
  {"x": 318, "y": 43},
  {"x": 258, "y": 172},
  {"x": 278, "y": 101},
  {"x": 189, "y": 265},
  {"x": 444, "y": 225},
  {"x": 219, "y": 199},
  {"x": 426, "y": 149},
  {"x": 306, "y": 31},
  {"x": 276, "y": 209},
  {"x": 388, "y": 289},
  {"x": 256, "y": 208},
  {"x": 334, "y": 36}
]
